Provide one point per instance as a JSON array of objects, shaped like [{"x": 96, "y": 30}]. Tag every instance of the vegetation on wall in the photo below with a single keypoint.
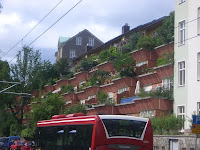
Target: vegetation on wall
[
  {"x": 102, "y": 97},
  {"x": 78, "y": 108},
  {"x": 67, "y": 89},
  {"x": 167, "y": 125},
  {"x": 158, "y": 93},
  {"x": 146, "y": 42},
  {"x": 167, "y": 58}
]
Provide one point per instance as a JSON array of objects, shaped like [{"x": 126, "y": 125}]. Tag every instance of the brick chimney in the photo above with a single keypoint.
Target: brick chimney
[{"x": 125, "y": 28}]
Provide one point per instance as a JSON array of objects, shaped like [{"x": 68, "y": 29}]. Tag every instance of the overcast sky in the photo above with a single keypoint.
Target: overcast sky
[{"x": 104, "y": 18}]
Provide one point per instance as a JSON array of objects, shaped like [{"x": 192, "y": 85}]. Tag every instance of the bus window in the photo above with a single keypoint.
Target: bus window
[
  {"x": 72, "y": 137},
  {"x": 79, "y": 137},
  {"x": 126, "y": 128}
]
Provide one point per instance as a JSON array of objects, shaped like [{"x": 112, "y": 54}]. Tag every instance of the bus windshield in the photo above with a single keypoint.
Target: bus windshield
[
  {"x": 126, "y": 128},
  {"x": 71, "y": 137}
]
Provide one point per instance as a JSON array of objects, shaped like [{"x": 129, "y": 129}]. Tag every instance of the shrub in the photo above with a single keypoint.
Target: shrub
[
  {"x": 146, "y": 42},
  {"x": 67, "y": 89},
  {"x": 102, "y": 97}
]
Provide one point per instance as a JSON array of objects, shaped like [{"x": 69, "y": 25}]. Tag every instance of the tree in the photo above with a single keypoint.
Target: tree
[
  {"x": 78, "y": 108},
  {"x": 166, "y": 31},
  {"x": 109, "y": 55},
  {"x": 125, "y": 65},
  {"x": 146, "y": 42},
  {"x": 62, "y": 67},
  {"x": 23, "y": 71}
]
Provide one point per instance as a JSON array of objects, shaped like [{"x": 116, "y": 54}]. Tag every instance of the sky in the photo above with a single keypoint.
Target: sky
[{"x": 103, "y": 18}]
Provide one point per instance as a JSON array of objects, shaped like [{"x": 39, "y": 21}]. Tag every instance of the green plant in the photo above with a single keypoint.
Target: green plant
[
  {"x": 102, "y": 97},
  {"x": 78, "y": 108},
  {"x": 167, "y": 124},
  {"x": 146, "y": 42},
  {"x": 108, "y": 55},
  {"x": 132, "y": 42},
  {"x": 158, "y": 93},
  {"x": 167, "y": 58},
  {"x": 67, "y": 89},
  {"x": 87, "y": 64}
]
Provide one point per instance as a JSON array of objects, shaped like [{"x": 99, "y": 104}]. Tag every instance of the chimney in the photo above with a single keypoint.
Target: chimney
[{"x": 125, "y": 28}]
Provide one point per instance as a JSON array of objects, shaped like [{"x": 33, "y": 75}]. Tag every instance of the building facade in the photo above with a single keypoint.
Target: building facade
[
  {"x": 187, "y": 60},
  {"x": 77, "y": 45}
]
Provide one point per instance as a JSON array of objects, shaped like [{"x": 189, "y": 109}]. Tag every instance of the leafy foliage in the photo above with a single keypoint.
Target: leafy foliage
[
  {"x": 146, "y": 42},
  {"x": 62, "y": 67},
  {"x": 52, "y": 104},
  {"x": 167, "y": 58},
  {"x": 125, "y": 65},
  {"x": 102, "y": 97},
  {"x": 165, "y": 33},
  {"x": 132, "y": 44},
  {"x": 158, "y": 93},
  {"x": 108, "y": 55},
  {"x": 87, "y": 64},
  {"x": 67, "y": 89},
  {"x": 78, "y": 108},
  {"x": 167, "y": 124}
]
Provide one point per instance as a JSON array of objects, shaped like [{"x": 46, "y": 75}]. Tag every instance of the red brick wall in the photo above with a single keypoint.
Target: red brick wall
[
  {"x": 36, "y": 93},
  {"x": 166, "y": 71},
  {"x": 71, "y": 96},
  {"x": 149, "y": 79},
  {"x": 165, "y": 49},
  {"x": 48, "y": 88},
  {"x": 60, "y": 83},
  {"x": 106, "y": 67}
]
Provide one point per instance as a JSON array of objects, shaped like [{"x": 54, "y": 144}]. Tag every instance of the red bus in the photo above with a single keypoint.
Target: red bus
[{"x": 97, "y": 132}]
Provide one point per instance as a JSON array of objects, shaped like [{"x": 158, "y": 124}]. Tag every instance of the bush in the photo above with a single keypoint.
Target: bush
[
  {"x": 67, "y": 89},
  {"x": 146, "y": 42},
  {"x": 102, "y": 97},
  {"x": 78, "y": 108},
  {"x": 167, "y": 124},
  {"x": 167, "y": 58},
  {"x": 87, "y": 64}
]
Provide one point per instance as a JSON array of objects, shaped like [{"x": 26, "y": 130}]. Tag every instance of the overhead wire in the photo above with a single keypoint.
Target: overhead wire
[
  {"x": 48, "y": 28},
  {"x": 31, "y": 29}
]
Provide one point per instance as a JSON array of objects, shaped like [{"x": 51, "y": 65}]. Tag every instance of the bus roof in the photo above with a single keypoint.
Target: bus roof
[{"x": 83, "y": 119}]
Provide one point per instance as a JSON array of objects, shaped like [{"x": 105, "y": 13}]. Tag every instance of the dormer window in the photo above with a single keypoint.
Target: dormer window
[
  {"x": 78, "y": 40},
  {"x": 91, "y": 41}
]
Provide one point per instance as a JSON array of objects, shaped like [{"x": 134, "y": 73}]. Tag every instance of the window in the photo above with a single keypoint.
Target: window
[
  {"x": 198, "y": 66},
  {"x": 181, "y": 36},
  {"x": 78, "y": 40},
  {"x": 68, "y": 102},
  {"x": 198, "y": 108},
  {"x": 167, "y": 83},
  {"x": 181, "y": 1},
  {"x": 91, "y": 42},
  {"x": 147, "y": 113},
  {"x": 91, "y": 97},
  {"x": 121, "y": 90},
  {"x": 198, "y": 21},
  {"x": 181, "y": 111},
  {"x": 156, "y": 148},
  {"x": 181, "y": 73},
  {"x": 141, "y": 63},
  {"x": 83, "y": 101},
  {"x": 148, "y": 88},
  {"x": 72, "y": 53}
]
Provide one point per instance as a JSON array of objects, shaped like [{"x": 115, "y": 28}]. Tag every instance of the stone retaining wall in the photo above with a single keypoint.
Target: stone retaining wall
[{"x": 181, "y": 142}]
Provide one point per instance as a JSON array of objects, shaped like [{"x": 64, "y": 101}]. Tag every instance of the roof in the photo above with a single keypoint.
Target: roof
[
  {"x": 63, "y": 39},
  {"x": 85, "y": 30},
  {"x": 138, "y": 28}
]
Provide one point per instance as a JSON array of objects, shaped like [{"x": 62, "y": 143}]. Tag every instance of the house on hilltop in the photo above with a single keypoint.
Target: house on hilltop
[{"x": 77, "y": 45}]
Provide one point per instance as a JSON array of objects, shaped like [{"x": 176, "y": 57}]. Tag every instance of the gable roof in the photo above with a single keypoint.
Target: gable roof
[{"x": 85, "y": 30}]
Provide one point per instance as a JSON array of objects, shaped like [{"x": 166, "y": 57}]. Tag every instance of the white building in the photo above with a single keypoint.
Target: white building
[{"x": 187, "y": 59}]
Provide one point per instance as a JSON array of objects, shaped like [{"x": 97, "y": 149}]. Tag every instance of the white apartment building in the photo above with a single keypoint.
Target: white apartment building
[{"x": 187, "y": 60}]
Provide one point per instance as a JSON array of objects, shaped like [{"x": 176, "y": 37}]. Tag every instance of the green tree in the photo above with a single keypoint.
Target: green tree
[
  {"x": 78, "y": 108},
  {"x": 165, "y": 33},
  {"x": 109, "y": 55},
  {"x": 125, "y": 65},
  {"x": 102, "y": 97},
  {"x": 146, "y": 42},
  {"x": 132, "y": 42},
  {"x": 62, "y": 67},
  {"x": 87, "y": 64}
]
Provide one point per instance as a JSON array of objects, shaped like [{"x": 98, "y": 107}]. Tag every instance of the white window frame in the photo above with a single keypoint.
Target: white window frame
[
  {"x": 141, "y": 63},
  {"x": 198, "y": 21},
  {"x": 72, "y": 53},
  {"x": 198, "y": 108},
  {"x": 68, "y": 102},
  {"x": 91, "y": 41},
  {"x": 181, "y": 32},
  {"x": 181, "y": 1},
  {"x": 147, "y": 113},
  {"x": 148, "y": 88},
  {"x": 91, "y": 97},
  {"x": 82, "y": 101},
  {"x": 167, "y": 83},
  {"x": 198, "y": 66},
  {"x": 181, "y": 74},
  {"x": 181, "y": 113},
  {"x": 78, "y": 40},
  {"x": 121, "y": 90}
]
